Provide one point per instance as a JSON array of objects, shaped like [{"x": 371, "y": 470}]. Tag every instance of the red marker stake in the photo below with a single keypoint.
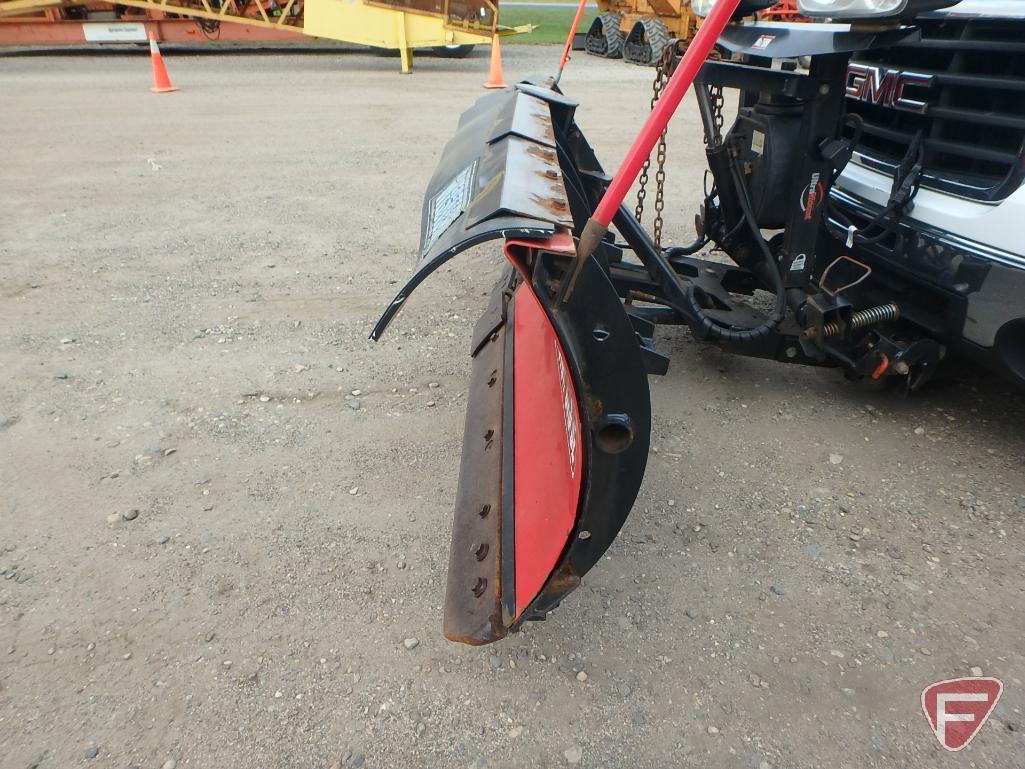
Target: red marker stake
[
  {"x": 569, "y": 40},
  {"x": 656, "y": 123}
]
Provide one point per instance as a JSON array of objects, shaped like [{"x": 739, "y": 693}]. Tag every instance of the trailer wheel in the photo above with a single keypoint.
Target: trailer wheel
[
  {"x": 646, "y": 41},
  {"x": 452, "y": 51},
  {"x": 605, "y": 38}
]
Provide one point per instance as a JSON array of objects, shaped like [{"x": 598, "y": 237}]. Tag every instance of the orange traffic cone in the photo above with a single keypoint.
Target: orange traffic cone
[
  {"x": 161, "y": 82},
  {"x": 495, "y": 74}
]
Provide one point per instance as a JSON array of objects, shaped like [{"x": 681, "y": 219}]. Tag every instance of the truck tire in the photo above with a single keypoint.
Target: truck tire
[
  {"x": 452, "y": 51},
  {"x": 605, "y": 38},
  {"x": 646, "y": 41}
]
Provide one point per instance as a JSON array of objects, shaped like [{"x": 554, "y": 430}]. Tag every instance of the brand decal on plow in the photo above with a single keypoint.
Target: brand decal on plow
[
  {"x": 568, "y": 412},
  {"x": 811, "y": 196}
]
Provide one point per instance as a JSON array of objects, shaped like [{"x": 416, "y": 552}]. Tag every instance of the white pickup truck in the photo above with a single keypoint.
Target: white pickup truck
[{"x": 962, "y": 241}]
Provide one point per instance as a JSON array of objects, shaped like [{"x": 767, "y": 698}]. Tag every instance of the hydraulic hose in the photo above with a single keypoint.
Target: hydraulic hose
[
  {"x": 712, "y": 328},
  {"x": 687, "y": 250},
  {"x": 906, "y": 180}
]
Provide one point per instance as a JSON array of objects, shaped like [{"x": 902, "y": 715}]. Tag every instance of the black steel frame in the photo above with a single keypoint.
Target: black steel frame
[
  {"x": 655, "y": 283},
  {"x": 663, "y": 280}
]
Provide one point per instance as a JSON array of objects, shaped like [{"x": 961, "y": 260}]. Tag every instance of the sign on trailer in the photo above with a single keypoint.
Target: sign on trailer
[{"x": 115, "y": 32}]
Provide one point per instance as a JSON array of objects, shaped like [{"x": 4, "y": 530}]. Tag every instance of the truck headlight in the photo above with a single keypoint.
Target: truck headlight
[{"x": 868, "y": 9}]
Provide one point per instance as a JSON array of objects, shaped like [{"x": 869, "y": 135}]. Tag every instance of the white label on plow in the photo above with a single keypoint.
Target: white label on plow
[
  {"x": 114, "y": 32},
  {"x": 447, "y": 205}
]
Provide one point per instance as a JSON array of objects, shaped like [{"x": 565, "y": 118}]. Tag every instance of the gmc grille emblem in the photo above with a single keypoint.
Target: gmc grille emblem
[{"x": 886, "y": 87}]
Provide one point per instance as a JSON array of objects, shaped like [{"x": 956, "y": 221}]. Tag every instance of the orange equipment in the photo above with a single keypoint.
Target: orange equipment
[
  {"x": 782, "y": 11},
  {"x": 639, "y": 30},
  {"x": 54, "y": 22}
]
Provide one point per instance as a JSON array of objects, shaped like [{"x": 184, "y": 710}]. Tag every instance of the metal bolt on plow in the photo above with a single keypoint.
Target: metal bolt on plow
[{"x": 479, "y": 587}]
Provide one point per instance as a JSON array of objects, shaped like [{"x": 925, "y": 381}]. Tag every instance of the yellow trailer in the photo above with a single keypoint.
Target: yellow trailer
[
  {"x": 451, "y": 27},
  {"x": 404, "y": 24}
]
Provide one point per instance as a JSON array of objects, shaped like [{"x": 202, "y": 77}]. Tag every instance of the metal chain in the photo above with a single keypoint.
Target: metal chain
[
  {"x": 663, "y": 70},
  {"x": 718, "y": 101},
  {"x": 665, "y": 64}
]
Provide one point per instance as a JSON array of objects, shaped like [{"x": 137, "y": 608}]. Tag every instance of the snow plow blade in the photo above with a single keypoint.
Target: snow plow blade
[
  {"x": 498, "y": 177},
  {"x": 554, "y": 449},
  {"x": 558, "y": 414}
]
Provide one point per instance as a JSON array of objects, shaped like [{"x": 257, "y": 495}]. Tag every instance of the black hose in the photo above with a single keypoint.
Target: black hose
[
  {"x": 713, "y": 329},
  {"x": 907, "y": 178},
  {"x": 687, "y": 250},
  {"x": 882, "y": 220}
]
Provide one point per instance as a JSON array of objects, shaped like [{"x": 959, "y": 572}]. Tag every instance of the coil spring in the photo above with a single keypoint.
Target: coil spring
[{"x": 862, "y": 318}]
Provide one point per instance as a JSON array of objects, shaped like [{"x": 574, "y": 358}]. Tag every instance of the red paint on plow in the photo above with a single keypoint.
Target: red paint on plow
[
  {"x": 547, "y": 447},
  {"x": 516, "y": 250}
]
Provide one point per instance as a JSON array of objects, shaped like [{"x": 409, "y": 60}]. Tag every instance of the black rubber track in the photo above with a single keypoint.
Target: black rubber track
[
  {"x": 605, "y": 38},
  {"x": 646, "y": 41}
]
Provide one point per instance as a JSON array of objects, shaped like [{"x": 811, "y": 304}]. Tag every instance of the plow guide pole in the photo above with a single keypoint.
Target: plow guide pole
[
  {"x": 658, "y": 119},
  {"x": 569, "y": 40}
]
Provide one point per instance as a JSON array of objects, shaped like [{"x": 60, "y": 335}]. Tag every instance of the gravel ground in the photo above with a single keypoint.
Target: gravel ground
[{"x": 225, "y": 513}]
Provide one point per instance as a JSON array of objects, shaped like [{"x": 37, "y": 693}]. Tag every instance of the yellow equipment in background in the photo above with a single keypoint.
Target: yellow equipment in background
[
  {"x": 404, "y": 24},
  {"x": 450, "y": 27}
]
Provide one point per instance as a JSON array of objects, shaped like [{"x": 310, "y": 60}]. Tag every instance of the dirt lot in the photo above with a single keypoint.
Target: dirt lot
[{"x": 186, "y": 287}]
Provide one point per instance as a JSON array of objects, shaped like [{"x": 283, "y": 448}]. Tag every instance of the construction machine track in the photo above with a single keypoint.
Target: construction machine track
[{"x": 605, "y": 38}]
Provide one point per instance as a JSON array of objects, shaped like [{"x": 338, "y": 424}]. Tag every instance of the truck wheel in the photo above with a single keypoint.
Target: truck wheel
[
  {"x": 452, "y": 51},
  {"x": 646, "y": 41},
  {"x": 605, "y": 38}
]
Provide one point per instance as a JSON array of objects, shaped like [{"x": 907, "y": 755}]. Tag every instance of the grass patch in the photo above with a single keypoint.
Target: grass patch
[{"x": 552, "y": 23}]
